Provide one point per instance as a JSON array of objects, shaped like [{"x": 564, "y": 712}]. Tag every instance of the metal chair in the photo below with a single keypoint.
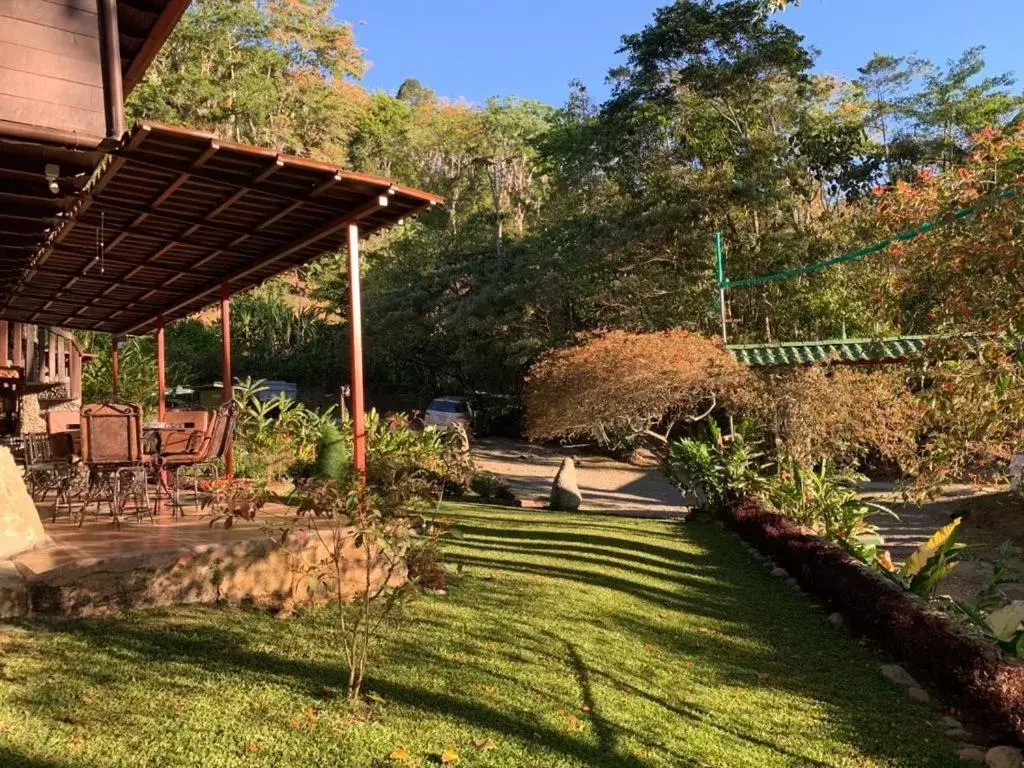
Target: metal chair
[
  {"x": 203, "y": 453},
  {"x": 50, "y": 466},
  {"x": 112, "y": 453}
]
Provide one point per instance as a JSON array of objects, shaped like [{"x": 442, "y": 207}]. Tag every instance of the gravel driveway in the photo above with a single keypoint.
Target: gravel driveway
[{"x": 607, "y": 485}]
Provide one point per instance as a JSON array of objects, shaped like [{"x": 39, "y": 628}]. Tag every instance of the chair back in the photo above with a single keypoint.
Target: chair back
[
  {"x": 62, "y": 421},
  {"x": 221, "y": 431},
  {"x": 42, "y": 448},
  {"x": 198, "y": 419},
  {"x": 112, "y": 433}
]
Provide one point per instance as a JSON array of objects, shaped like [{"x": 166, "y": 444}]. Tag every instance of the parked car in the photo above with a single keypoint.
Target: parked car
[{"x": 443, "y": 411}]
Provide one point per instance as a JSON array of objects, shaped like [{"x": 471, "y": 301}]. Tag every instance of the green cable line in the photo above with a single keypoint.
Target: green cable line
[{"x": 860, "y": 253}]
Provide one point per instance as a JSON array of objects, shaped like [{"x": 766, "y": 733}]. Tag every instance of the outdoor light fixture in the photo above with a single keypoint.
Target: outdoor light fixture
[{"x": 52, "y": 173}]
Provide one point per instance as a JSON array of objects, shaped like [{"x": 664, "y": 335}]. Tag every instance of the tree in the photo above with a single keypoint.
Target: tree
[
  {"x": 508, "y": 154},
  {"x": 416, "y": 93},
  {"x": 618, "y": 387},
  {"x": 885, "y": 83},
  {"x": 268, "y": 73},
  {"x": 958, "y": 101}
]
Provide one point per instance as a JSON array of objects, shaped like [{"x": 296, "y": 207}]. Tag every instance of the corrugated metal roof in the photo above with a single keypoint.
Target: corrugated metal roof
[{"x": 867, "y": 351}]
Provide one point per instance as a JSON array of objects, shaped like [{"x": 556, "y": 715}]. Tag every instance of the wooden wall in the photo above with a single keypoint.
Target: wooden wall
[
  {"x": 54, "y": 356},
  {"x": 51, "y": 73}
]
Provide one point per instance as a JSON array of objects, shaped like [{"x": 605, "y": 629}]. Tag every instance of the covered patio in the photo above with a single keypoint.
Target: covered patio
[{"x": 168, "y": 222}]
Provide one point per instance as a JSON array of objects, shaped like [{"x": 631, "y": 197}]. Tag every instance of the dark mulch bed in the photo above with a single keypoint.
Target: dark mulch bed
[{"x": 960, "y": 668}]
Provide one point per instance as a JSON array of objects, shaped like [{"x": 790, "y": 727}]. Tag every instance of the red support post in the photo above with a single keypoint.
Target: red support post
[
  {"x": 225, "y": 368},
  {"x": 355, "y": 322},
  {"x": 161, "y": 371},
  {"x": 115, "y": 365}
]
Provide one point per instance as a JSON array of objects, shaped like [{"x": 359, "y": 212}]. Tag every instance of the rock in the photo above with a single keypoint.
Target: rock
[
  {"x": 779, "y": 573},
  {"x": 565, "y": 491},
  {"x": 972, "y": 755},
  {"x": 950, "y": 722},
  {"x": 644, "y": 457},
  {"x": 13, "y": 592},
  {"x": 959, "y": 734},
  {"x": 897, "y": 674},
  {"x": 919, "y": 694},
  {"x": 1004, "y": 757},
  {"x": 1016, "y": 470},
  {"x": 20, "y": 526},
  {"x": 835, "y": 619}
]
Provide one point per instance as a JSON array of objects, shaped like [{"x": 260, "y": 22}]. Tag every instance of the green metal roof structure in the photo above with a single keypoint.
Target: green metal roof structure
[{"x": 840, "y": 351}]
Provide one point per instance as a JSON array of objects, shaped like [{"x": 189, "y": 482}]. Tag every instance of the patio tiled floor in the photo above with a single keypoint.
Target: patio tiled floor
[{"x": 99, "y": 539}]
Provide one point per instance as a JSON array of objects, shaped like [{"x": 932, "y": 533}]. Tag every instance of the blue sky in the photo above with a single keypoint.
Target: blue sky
[{"x": 473, "y": 49}]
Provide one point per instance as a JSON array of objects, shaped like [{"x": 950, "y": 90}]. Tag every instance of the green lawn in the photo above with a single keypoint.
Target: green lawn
[{"x": 567, "y": 641}]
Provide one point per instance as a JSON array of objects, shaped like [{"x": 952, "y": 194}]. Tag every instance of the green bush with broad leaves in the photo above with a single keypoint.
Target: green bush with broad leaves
[
  {"x": 275, "y": 436},
  {"x": 826, "y": 501},
  {"x": 718, "y": 469},
  {"x": 930, "y": 563}
]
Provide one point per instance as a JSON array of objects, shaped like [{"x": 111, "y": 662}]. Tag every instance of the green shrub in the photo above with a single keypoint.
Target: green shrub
[
  {"x": 334, "y": 456},
  {"x": 716, "y": 470},
  {"x": 931, "y": 562},
  {"x": 489, "y": 486},
  {"x": 826, "y": 501}
]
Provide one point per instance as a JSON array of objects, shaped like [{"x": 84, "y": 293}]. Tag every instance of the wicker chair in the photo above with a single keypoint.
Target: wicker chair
[
  {"x": 113, "y": 456},
  {"x": 202, "y": 453}
]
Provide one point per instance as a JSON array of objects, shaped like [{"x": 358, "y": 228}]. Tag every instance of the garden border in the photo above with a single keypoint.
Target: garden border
[{"x": 965, "y": 670}]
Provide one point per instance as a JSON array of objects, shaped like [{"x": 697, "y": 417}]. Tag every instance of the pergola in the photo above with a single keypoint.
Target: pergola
[{"x": 170, "y": 221}]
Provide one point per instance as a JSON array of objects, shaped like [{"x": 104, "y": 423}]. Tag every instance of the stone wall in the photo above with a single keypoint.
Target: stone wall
[
  {"x": 257, "y": 572},
  {"x": 34, "y": 410},
  {"x": 32, "y": 420}
]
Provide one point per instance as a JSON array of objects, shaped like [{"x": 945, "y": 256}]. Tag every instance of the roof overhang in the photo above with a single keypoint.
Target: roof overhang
[
  {"x": 143, "y": 28},
  {"x": 170, "y": 215}
]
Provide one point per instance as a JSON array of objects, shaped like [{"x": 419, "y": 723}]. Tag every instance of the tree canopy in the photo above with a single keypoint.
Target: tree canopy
[{"x": 596, "y": 217}]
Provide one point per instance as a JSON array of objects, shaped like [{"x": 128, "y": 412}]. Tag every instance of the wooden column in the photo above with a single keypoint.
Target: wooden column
[
  {"x": 115, "y": 365},
  {"x": 225, "y": 368},
  {"x": 18, "y": 359},
  {"x": 355, "y": 322},
  {"x": 161, "y": 371}
]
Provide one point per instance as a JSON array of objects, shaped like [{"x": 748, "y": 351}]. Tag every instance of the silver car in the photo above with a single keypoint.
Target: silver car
[{"x": 443, "y": 411}]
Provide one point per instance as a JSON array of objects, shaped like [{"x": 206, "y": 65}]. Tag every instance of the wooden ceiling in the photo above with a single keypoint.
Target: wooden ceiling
[
  {"x": 174, "y": 213},
  {"x": 29, "y": 210}
]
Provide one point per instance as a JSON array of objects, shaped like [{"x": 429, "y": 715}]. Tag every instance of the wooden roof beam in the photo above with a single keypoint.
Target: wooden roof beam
[{"x": 370, "y": 207}]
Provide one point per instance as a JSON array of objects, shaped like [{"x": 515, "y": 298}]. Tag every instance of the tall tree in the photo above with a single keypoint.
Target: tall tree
[{"x": 271, "y": 73}]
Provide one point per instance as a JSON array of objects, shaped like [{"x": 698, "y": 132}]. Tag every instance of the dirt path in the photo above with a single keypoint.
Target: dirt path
[
  {"x": 989, "y": 516},
  {"x": 607, "y": 485}
]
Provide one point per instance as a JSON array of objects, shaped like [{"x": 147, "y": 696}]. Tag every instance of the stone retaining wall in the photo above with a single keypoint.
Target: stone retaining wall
[{"x": 256, "y": 572}]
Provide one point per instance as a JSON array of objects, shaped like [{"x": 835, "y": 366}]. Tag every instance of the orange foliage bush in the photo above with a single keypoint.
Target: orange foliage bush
[
  {"x": 838, "y": 413},
  {"x": 964, "y": 274},
  {"x": 616, "y": 387}
]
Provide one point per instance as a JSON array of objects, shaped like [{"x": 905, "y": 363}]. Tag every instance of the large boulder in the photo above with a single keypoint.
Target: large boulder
[
  {"x": 20, "y": 526},
  {"x": 565, "y": 491}
]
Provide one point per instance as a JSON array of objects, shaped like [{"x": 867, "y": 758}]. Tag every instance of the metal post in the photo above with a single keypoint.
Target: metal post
[
  {"x": 355, "y": 322},
  {"x": 115, "y": 365},
  {"x": 225, "y": 369},
  {"x": 161, "y": 371},
  {"x": 721, "y": 284}
]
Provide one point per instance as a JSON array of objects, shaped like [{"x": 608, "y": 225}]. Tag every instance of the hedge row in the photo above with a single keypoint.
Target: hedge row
[{"x": 962, "y": 669}]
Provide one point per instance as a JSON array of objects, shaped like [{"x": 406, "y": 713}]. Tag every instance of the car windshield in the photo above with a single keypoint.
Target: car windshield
[{"x": 449, "y": 406}]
